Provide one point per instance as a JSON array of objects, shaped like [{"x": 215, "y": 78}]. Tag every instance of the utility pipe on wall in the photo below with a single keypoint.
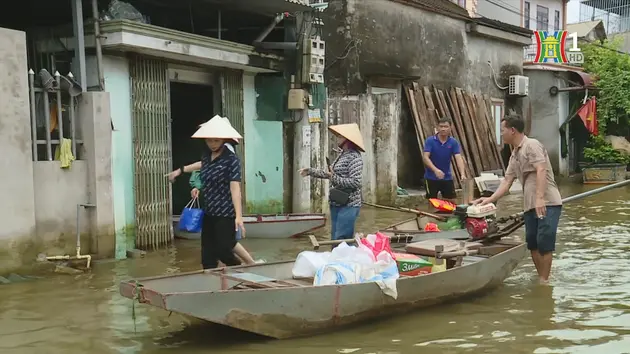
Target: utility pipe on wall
[
  {"x": 78, "y": 255},
  {"x": 99, "y": 50}
]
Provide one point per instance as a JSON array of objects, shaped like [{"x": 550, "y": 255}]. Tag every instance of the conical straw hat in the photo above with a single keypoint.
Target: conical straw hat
[
  {"x": 350, "y": 132},
  {"x": 234, "y": 140},
  {"x": 217, "y": 128}
]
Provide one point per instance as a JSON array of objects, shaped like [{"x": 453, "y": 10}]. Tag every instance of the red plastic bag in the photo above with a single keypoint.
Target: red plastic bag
[
  {"x": 381, "y": 243},
  {"x": 431, "y": 227}
]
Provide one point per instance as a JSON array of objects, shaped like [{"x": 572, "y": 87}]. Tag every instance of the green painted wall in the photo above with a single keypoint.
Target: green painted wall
[
  {"x": 116, "y": 72},
  {"x": 263, "y": 153}
]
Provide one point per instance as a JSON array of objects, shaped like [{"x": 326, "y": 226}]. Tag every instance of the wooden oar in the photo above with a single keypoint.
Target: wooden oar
[
  {"x": 417, "y": 212},
  {"x": 519, "y": 215},
  {"x": 400, "y": 238},
  {"x": 316, "y": 243}
]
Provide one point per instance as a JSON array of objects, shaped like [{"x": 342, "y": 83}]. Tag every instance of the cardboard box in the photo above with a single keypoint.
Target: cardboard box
[{"x": 411, "y": 265}]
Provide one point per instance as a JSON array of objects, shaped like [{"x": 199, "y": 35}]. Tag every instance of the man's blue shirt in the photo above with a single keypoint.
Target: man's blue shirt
[{"x": 441, "y": 154}]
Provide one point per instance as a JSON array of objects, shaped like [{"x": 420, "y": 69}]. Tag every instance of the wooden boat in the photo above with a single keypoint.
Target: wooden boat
[
  {"x": 269, "y": 225},
  {"x": 266, "y": 299}
]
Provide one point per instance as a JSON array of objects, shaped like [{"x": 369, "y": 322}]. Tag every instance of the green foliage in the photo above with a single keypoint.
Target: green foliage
[
  {"x": 601, "y": 152},
  {"x": 612, "y": 70}
]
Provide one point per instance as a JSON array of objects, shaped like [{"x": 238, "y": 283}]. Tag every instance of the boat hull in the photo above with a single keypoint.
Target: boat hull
[
  {"x": 269, "y": 226},
  {"x": 307, "y": 310}
]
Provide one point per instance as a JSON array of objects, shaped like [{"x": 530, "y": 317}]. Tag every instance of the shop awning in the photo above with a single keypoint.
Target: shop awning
[{"x": 586, "y": 80}]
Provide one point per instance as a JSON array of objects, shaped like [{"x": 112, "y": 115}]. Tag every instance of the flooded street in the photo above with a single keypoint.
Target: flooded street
[{"x": 586, "y": 309}]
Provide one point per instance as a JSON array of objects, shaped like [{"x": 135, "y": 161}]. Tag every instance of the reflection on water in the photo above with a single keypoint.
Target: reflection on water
[{"x": 586, "y": 308}]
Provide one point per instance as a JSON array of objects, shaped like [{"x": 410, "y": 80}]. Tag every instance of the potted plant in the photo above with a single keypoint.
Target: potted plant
[{"x": 603, "y": 164}]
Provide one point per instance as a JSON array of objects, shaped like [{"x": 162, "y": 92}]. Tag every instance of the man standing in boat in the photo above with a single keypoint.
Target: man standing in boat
[
  {"x": 438, "y": 151},
  {"x": 542, "y": 202}
]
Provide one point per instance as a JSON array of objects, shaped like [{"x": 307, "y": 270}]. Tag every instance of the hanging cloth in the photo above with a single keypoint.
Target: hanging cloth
[{"x": 63, "y": 153}]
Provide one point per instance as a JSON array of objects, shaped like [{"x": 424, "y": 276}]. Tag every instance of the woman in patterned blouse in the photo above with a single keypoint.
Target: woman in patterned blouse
[
  {"x": 196, "y": 185},
  {"x": 220, "y": 172},
  {"x": 345, "y": 175}
]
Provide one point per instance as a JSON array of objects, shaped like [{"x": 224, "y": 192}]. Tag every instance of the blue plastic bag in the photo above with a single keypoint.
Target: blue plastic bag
[{"x": 191, "y": 218}]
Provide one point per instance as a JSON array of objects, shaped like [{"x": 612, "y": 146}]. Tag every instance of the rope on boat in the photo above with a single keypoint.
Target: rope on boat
[{"x": 135, "y": 297}]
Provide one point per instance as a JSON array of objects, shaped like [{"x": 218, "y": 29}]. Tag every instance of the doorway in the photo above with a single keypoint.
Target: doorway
[{"x": 191, "y": 105}]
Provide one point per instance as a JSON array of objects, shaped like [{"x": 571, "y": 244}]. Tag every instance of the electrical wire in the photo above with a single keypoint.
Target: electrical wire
[{"x": 353, "y": 44}]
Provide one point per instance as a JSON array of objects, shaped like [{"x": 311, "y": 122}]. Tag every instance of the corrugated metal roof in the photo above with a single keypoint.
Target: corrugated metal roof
[
  {"x": 587, "y": 79},
  {"x": 503, "y": 26},
  {"x": 583, "y": 28},
  {"x": 445, "y": 7}
]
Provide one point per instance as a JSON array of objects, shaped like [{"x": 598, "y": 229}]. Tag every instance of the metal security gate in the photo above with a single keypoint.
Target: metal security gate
[
  {"x": 152, "y": 152},
  {"x": 232, "y": 102}
]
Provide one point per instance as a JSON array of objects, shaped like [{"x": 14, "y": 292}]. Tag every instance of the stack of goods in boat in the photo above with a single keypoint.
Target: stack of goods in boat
[
  {"x": 349, "y": 265},
  {"x": 372, "y": 260}
]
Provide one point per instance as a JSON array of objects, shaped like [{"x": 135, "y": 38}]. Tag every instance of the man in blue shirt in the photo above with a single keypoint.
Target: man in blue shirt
[{"x": 438, "y": 151}]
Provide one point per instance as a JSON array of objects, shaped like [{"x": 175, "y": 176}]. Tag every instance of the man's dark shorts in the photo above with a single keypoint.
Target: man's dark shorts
[
  {"x": 446, "y": 187},
  {"x": 540, "y": 234}
]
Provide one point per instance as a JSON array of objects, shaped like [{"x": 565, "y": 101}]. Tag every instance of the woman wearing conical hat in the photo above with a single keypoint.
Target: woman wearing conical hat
[
  {"x": 220, "y": 173},
  {"x": 197, "y": 185},
  {"x": 345, "y": 176}
]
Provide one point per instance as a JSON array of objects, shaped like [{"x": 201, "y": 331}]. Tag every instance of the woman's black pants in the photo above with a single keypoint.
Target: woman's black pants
[{"x": 218, "y": 238}]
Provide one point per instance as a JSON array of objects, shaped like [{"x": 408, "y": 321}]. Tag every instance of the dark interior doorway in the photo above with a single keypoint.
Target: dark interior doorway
[{"x": 191, "y": 105}]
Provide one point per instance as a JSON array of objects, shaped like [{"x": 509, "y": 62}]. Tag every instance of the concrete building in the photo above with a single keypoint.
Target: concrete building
[
  {"x": 144, "y": 81},
  {"x": 374, "y": 45},
  {"x": 543, "y": 15},
  {"x": 146, "y": 78},
  {"x": 556, "y": 92},
  {"x": 40, "y": 198},
  {"x": 536, "y": 15},
  {"x": 614, "y": 16},
  {"x": 555, "y": 89}
]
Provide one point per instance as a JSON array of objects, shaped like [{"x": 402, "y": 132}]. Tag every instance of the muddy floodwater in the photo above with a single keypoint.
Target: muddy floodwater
[{"x": 586, "y": 309}]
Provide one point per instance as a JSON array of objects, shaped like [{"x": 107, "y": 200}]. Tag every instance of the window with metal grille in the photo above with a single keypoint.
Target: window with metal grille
[
  {"x": 542, "y": 18},
  {"x": 556, "y": 21},
  {"x": 526, "y": 15}
]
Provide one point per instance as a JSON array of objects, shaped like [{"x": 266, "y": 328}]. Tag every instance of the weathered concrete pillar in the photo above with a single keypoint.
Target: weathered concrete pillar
[
  {"x": 302, "y": 142},
  {"x": 302, "y": 159},
  {"x": 324, "y": 150},
  {"x": 318, "y": 160},
  {"x": 94, "y": 114},
  {"x": 17, "y": 219},
  {"x": 366, "y": 124},
  {"x": 386, "y": 113}
]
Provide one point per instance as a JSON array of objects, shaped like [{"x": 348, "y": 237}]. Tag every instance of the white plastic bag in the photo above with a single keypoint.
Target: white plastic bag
[
  {"x": 337, "y": 273},
  {"x": 347, "y": 253},
  {"x": 384, "y": 272},
  {"x": 308, "y": 262}
]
